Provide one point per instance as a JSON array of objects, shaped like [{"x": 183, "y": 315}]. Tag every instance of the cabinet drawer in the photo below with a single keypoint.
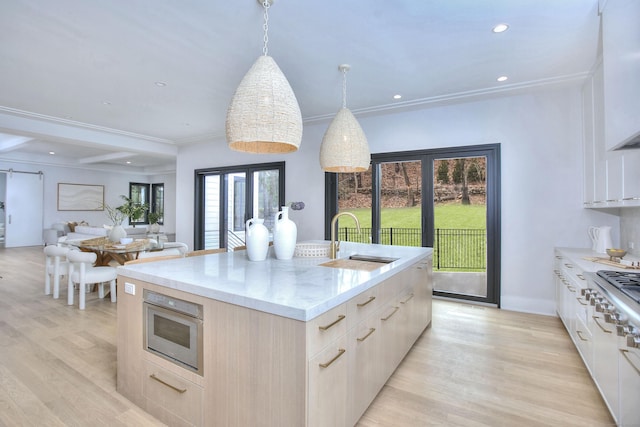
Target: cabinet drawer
[
  {"x": 574, "y": 273},
  {"x": 363, "y": 305},
  {"x": 174, "y": 399},
  {"x": 326, "y": 328}
]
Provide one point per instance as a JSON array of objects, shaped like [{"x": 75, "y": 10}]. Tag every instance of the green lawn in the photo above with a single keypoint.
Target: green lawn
[
  {"x": 446, "y": 216},
  {"x": 457, "y": 250}
]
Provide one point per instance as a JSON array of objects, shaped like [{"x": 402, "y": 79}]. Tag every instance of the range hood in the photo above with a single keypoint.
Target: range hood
[{"x": 631, "y": 143}]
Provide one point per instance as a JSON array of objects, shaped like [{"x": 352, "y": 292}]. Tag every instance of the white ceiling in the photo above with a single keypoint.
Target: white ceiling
[{"x": 79, "y": 77}]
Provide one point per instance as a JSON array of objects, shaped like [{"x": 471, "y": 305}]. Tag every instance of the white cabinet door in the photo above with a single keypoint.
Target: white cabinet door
[
  {"x": 621, "y": 44},
  {"x": 631, "y": 177},
  {"x": 24, "y": 209},
  {"x": 615, "y": 170}
]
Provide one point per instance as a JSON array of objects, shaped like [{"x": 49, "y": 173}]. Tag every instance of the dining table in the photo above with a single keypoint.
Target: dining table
[{"x": 106, "y": 250}]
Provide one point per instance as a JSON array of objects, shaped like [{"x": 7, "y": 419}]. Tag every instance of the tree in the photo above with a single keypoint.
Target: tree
[
  {"x": 411, "y": 199},
  {"x": 443, "y": 171}
]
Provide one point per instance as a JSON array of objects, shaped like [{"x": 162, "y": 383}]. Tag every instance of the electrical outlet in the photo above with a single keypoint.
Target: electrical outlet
[
  {"x": 129, "y": 288},
  {"x": 631, "y": 245}
]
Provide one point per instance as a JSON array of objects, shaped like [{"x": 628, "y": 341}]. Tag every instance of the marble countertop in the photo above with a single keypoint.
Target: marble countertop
[
  {"x": 298, "y": 288},
  {"x": 580, "y": 257}
]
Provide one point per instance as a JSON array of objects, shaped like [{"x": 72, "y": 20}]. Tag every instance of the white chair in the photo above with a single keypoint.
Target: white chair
[
  {"x": 182, "y": 247},
  {"x": 162, "y": 253},
  {"x": 56, "y": 265},
  {"x": 82, "y": 272}
]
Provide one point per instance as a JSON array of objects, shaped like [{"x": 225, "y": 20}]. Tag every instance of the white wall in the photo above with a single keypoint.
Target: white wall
[
  {"x": 115, "y": 184},
  {"x": 540, "y": 137}
]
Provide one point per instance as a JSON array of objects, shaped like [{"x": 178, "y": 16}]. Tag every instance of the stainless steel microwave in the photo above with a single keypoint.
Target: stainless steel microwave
[{"x": 173, "y": 330}]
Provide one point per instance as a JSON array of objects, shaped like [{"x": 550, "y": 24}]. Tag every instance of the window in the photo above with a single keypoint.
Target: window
[
  {"x": 139, "y": 195},
  {"x": 157, "y": 201},
  {"x": 150, "y": 194}
]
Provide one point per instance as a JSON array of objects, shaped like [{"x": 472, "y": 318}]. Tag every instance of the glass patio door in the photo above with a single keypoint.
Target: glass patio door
[
  {"x": 447, "y": 199},
  {"x": 400, "y": 203},
  {"x": 460, "y": 226},
  {"x": 227, "y": 197}
]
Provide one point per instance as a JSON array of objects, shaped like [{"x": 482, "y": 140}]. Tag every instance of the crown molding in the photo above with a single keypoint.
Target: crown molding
[{"x": 459, "y": 96}]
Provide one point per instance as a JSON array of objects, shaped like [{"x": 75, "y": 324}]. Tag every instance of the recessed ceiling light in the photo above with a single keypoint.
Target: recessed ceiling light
[
  {"x": 397, "y": 96},
  {"x": 500, "y": 28},
  {"x": 502, "y": 78},
  {"x": 160, "y": 84},
  {"x": 52, "y": 152},
  {"x": 128, "y": 162},
  {"x": 106, "y": 102}
]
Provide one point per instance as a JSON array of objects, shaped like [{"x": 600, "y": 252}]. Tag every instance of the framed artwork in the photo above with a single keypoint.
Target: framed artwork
[{"x": 80, "y": 197}]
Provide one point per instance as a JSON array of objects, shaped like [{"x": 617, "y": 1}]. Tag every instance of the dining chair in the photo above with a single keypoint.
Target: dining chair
[
  {"x": 82, "y": 272},
  {"x": 162, "y": 253},
  {"x": 205, "y": 252},
  {"x": 152, "y": 259},
  {"x": 182, "y": 247},
  {"x": 56, "y": 265}
]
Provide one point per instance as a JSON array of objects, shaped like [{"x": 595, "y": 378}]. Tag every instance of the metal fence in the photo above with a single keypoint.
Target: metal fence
[{"x": 453, "y": 249}]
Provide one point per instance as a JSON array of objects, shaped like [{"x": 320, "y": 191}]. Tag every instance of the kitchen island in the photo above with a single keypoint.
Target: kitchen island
[{"x": 283, "y": 342}]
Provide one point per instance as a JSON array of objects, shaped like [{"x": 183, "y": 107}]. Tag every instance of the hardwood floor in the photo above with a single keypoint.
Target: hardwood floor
[{"x": 475, "y": 366}]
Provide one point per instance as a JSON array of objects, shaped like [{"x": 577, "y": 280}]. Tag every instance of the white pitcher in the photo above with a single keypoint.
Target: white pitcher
[
  {"x": 257, "y": 239},
  {"x": 593, "y": 235},
  {"x": 603, "y": 240},
  {"x": 285, "y": 234}
]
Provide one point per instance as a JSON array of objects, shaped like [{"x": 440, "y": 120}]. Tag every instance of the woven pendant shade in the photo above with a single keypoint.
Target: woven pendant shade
[
  {"x": 344, "y": 146},
  {"x": 264, "y": 116}
]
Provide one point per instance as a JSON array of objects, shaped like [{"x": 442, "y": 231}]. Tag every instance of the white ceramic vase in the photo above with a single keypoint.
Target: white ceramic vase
[
  {"x": 285, "y": 234},
  {"x": 117, "y": 232},
  {"x": 257, "y": 239},
  {"x": 154, "y": 228}
]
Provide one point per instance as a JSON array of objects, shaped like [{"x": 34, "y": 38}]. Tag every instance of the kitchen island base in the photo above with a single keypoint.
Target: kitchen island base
[{"x": 262, "y": 369}]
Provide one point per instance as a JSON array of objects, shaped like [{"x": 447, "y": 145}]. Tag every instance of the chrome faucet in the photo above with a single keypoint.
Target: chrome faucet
[{"x": 335, "y": 244}]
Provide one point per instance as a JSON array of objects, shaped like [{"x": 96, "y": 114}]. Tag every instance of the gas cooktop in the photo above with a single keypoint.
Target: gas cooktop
[{"x": 627, "y": 282}]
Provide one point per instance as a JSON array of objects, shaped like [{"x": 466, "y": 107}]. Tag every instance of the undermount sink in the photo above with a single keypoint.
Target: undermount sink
[
  {"x": 359, "y": 262},
  {"x": 373, "y": 258}
]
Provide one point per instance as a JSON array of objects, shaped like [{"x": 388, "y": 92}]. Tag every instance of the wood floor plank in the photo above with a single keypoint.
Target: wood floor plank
[{"x": 474, "y": 367}]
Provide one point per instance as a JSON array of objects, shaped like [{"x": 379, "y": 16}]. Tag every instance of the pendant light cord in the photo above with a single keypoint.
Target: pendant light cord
[
  {"x": 344, "y": 87},
  {"x": 265, "y": 27}
]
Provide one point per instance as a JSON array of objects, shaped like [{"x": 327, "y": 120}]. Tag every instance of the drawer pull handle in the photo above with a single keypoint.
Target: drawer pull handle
[
  {"x": 324, "y": 328},
  {"x": 624, "y": 353},
  {"x": 595, "y": 319},
  {"x": 580, "y": 335},
  {"x": 568, "y": 265},
  {"x": 340, "y": 353},
  {"x": 580, "y": 276},
  {"x": 362, "y": 304},
  {"x": 578, "y": 299},
  {"x": 407, "y": 300},
  {"x": 179, "y": 390},
  {"x": 392, "y": 313},
  {"x": 371, "y": 330}
]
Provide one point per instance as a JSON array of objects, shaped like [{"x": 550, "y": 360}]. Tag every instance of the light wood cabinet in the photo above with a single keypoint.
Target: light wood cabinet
[
  {"x": 328, "y": 386},
  {"x": 177, "y": 400},
  {"x": 264, "y": 369}
]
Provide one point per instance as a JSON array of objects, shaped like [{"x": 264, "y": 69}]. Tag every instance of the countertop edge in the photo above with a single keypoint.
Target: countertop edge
[{"x": 412, "y": 255}]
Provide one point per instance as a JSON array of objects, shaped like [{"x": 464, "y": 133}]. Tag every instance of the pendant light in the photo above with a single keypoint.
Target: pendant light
[
  {"x": 344, "y": 146},
  {"x": 264, "y": 116}
]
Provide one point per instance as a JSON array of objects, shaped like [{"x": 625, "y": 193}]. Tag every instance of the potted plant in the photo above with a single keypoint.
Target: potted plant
[
  {"x": 154, "y": 217},
  {"x": 133, "y": 210},
  {"x": 116, "y": 216}
]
